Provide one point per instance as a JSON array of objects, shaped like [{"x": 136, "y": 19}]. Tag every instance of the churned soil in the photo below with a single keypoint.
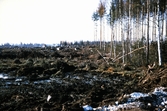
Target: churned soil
[{"x": 55, "y": 79}]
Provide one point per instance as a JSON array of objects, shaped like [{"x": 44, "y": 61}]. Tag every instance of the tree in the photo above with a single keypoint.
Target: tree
[
  {"x": 148, "y": 20},
  {"x": 143, "y": 20},
  {"x": 111, "y": 18},
  {"x": 95, "y": 18},
  {"x": 128, "y": 48},
  {"x": 121, "y": 30},
  {"x": 110, "y": 21},
  {"x": 101, "y": 12},
  {"x": 158, "y": 34}
]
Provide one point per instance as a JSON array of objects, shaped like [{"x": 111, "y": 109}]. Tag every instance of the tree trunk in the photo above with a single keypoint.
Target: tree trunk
[
  {"x": 158, "y": 35},
  {"x": 114, "y": 44},
  {"x": 166, "y": 20},
  {"x": 95, "y": 31},
  {"x": 100, "y": 33},
  {"x": 142, "y": 21},
  {"x": 112, "y": 33},
  {"x": 129, "y": 33},
  {"x": 153, "y": 27},
  {"x": 111, "y": 43},
  {"x": 148, "y": 20},
  {"x": 121, "y": 32},
  {"x": 104, "y": 34},
  {"x": 163, "y": 27}
]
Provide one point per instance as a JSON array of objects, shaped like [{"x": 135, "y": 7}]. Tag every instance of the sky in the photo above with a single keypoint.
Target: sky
[{"x": 46, "y": 21}]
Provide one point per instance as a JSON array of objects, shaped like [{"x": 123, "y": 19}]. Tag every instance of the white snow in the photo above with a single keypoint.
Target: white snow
[{"x": 133, "y": 101}]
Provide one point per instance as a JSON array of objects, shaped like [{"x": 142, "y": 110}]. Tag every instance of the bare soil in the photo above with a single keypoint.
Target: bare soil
[{"x": 76, "y": 78}]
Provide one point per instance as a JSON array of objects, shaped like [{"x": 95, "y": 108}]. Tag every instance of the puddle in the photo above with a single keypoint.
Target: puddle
[
  {"x": 11, "y": 80},
  {"x": 69, "y": 79},
  {"x": 86, "y": 78}
]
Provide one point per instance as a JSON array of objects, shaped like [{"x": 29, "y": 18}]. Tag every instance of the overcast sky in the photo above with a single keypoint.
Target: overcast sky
[{"x": 46, "y": 21}]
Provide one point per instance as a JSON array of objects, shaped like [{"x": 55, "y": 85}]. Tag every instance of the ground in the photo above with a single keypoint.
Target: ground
[{"x": 71, "y": 77}]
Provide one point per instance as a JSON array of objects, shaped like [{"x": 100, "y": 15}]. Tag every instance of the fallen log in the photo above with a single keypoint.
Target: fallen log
[{"x": 129, "y": 53}]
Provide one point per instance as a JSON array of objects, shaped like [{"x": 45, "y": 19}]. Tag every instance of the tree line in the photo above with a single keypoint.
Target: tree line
[{"x": 136, "y": 24}]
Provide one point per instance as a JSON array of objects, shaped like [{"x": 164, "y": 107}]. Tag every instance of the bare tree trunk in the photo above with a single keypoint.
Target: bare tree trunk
[
  {"x": 114, "y": 44},
  {"x": 95, "y": 31},
  {"x": 121, "y": 32},
  {"x": 100, "y": 33},
  {"x": 148, "y": 20},
  {"x": 112, "y": 34},
  {"x": 138, "y": 34},
  {"x": 163, "y": 27},
  {"x": 123, "y": 47},
  {"x": 111, "y": 43},
  {"x": 129, "y": 32},
  {"x": 166, "y": 20},
  {"x": 137, "y": 28},
  {"x": 117, "y": 31},
  {"x": 104, "y": 34},
  {"x": 158, "y": 35},
  {"x": 142, "y": 20},
  {"x": 96, "y": 39},
  {"x": 153, "y": 27}
]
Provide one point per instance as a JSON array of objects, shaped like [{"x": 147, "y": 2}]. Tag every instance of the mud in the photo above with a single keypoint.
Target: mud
[{"x": 55, "y": 79}]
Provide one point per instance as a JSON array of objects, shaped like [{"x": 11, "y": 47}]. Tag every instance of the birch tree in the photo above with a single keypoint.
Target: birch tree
[
  {"x": 121, "y": 28},
  {"x": 128, "y": 48},
  {"x": 111, "y": 20},
  {"x": 95, "y": 18},
  {"x": 111, "y": 23},
  {"x": 148, "y": 22},
  {"x": 158, "y": 34}
]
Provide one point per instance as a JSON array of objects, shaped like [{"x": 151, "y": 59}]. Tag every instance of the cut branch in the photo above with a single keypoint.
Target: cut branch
[
  {"x": 102, "y": 56},
  {"x": 129, "y": 53}
]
